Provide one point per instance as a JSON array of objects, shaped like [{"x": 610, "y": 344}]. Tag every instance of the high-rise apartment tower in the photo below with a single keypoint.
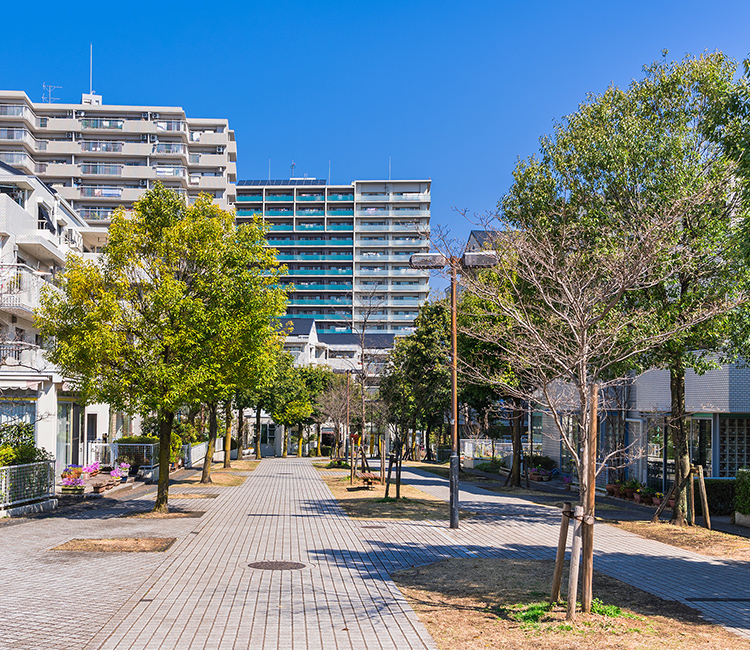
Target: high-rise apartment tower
[
  {"x": 347, "y": 248},
  {"x": 100, "y": 156}
]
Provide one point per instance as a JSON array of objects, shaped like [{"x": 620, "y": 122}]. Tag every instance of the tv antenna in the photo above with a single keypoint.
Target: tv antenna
[
  {"x": 293, "y": 166},
  {"x": 49, "y": 89}
]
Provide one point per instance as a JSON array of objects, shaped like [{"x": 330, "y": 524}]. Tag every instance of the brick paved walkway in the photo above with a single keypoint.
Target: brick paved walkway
[{"x": 202, "y": 594}]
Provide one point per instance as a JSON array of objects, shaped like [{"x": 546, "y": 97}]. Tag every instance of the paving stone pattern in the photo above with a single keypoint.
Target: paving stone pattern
[{"x": 201, "y": 593}]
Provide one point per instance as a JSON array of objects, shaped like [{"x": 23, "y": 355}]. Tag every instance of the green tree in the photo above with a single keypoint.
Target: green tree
[{"x": 179, "y": 297}]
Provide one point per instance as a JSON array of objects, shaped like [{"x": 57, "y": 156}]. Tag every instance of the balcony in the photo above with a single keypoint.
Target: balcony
[
  {"x": 303, "y": 256},
  {"x": 20, "y": 289},
  {"x": 96, "y": 214},
  {"x": 321, "y": 287},
  {"x": 280, "y": 226},
  {"x": 21, "y": 353},
  {"x": 89, "y": 191},
  {"x": 341, "y": 197},
  {"x": 373, "y": 196},
  {"x": 99, "y": 146},
  {"x": 340, "y": 226},
  {"x": 320, "y": 272},
  {"x": 162, "y": 171},
  {"x": 320, "y": 301},
  {"x": 249, "y": 213},
  {"x": 279, "y": 213},
  {"x": 101, "y": 123},
  {"x": 322, "y": 316},
  {"x": 101, "y": 169},
  {"x": 15, "y": 110},
  {"x": 310, "y": 226},
  {"x": 177, "y": 126},
  {"x": 170, "y": 149},
  {"x": 310, "y": 197},
  {"x": 310, "y": 213},
  {"x": 341, "y": 213},
  {"x": 19, "y": 159},
  {"x": 279, "y": 197},
  {"x": 249, "y": 197}
]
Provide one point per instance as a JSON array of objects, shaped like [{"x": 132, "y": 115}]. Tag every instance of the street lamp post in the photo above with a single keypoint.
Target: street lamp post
[{"x": 484, "y": 259}]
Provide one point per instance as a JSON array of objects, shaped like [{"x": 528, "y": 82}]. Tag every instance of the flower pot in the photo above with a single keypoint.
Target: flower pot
[
  {"x": 99, "y": 488},
  {"x": 656, "y": 501},
  {"x": 671, "y": 503},
  {"x": 629, "y": 492},
  {"x": 610, "y": 489},
  {"x": 618, "y": 492},
  {"x": 637, "y": 497},
  {"x": 649, "y": 501},
  {"x": 72, "y": 489}
]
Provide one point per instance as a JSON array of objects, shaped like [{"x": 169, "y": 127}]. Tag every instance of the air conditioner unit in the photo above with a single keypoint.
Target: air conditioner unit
[
  {"x": 69, "y": 135},
  {"x": 144, "y": 137},
  {"x": 154, "y": 138},
  {"x": 80, "y": 113},
  {"x": 219, "y": 150},
  {"x": 154, "y": 116},
  {"x": 144, "y": 115},
  {"x": 143, "y": 183}
]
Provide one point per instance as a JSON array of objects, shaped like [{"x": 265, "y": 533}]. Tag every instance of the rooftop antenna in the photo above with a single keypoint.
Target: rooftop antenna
[
  {"x": 48, "y": 98},
  {"x": 293, "y": 166},
  {"x": 91, "y": 68}
]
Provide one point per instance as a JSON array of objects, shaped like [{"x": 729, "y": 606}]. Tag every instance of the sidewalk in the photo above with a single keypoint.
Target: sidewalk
[{"x": 202, "y": 594}]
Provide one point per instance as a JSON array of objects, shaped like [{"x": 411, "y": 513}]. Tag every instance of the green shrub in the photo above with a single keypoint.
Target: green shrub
[
  {"x": 325, "y": 450},
  {"x": 741, "y": 501},
  {"x": 491, "y": 466},
  {"x": 138, "y": 440},
  {"x": 16, "y": 434},
  {"x": 313, "y": 451},
  {"x": 537, "y": 460},
  {"x": 22, "y": 454}
]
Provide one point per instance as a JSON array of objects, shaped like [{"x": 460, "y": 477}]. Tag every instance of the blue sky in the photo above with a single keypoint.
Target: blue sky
[{"x": 452, "y": 91}]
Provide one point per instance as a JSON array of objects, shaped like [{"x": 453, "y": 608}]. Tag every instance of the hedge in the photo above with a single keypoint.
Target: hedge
[
  {"x": 742, "y": 492},
  {"x": 721, "y": 495},
  {"x": 325, "y": 450}
]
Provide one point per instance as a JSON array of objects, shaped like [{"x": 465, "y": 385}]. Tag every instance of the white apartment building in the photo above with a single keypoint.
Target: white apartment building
[
  {"x": 38, "y": 228},
  {"x": 347, "y": 248},
  {"x": 99, "y": 157}
]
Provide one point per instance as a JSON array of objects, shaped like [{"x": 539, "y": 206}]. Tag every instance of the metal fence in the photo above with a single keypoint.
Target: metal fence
[
  {"x": 100, "y": 452},
  {"x": 195, "y": 454},
  {"x": 145, "y": 456},
  {"x": 23, "y": 483},
  {"x": 482, "y": 447}
]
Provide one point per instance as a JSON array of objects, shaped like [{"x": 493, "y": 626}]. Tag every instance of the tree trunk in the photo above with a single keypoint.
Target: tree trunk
[
  {"x": 678, "y": 429},
  {"x": 428, "y": 455},
  {"x": 258, "y": 454},
  {"x": 299, "y": 441},
  {"x": 515, "y": 470},
  {"x": 227, "y": 434},
  {"x": 166, "y": 419},
  {"x": 240, "y": 431},
  {"x": 212, "y": 432},
  {"x": 285, "y": 445}
]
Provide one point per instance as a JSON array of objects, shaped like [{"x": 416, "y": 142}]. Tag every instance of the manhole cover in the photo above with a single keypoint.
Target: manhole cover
[
  {"x": 372, "y": 526},
  {"x": 273, "y": 565}
]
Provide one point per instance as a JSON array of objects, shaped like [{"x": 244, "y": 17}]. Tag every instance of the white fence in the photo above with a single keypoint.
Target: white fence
[
  {"x": 23, "y": 483},
  {"x": 482, "y": 448},
  {"x": 145, "y": 456},
  {"x": 195, "y": 454},
  {"x": 100, "y": 452}
]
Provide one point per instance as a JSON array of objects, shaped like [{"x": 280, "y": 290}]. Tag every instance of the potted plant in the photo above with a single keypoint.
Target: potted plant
[
  {"x": 647, "y": 495},
  {"x": 610, "y": 489},
  {"x": 567, "y": 482},
  {"x": 72, "y": 485},
  {"x": 630, "y": 487},
  {"x": 657, "y": 498},
  {"x": 92, "y": 469},
  {"x": 124, "y": 471},
  {"x": 99, "y": 487},
  {"x": 618, "y": 491},
  {"x": 540, "y": 474}
]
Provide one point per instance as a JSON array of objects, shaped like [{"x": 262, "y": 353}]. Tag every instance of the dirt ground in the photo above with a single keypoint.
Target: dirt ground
[
  {"x": 692, "y": 538},
  {"x": 469, "y": 604},
  {"x": 118, "y": 544},
  {"x": 219, "y": 476},
  {"x": 370, "y": 504},
  {"x": 172, "y": 514}
]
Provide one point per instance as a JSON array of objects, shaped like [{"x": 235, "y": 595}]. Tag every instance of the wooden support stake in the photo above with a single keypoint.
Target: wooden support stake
[
  {"x": 691, "y": 498},
  {"x": 560, "y": 557},
  {"x": 662, "y": 505},
  {"x": 575, "y": 562},
  {"x": 704, "y": 498},
  {"x": 587, "y": 531}
]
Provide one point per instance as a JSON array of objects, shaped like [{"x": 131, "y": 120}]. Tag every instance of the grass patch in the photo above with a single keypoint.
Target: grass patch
[
  {"x": 119, "y": 545},
  {"x": 713, "y": 543},
  {"x": 372, "y": 504},
  {"x": 218, "y": 478},
  {"x": 492, "y": 603}
]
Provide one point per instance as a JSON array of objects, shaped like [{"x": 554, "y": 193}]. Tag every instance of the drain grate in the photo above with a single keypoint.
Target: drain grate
[{"x": 276, "y": 565}]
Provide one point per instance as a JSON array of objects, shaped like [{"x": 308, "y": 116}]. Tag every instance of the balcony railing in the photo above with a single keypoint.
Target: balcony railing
[
  {"x": 170, "y": 171},
  {"x": 96, "y": 214},
  {"x": 341, "y": 212},
  {"x": 320, "y": 272},
  {"x": 14, "y": 158},
  {"x": 310, "y": 213},
  {"x": 13, "y": 110},
  {"x": 101, "y": 123},
  {"x": 340, "y": 226},
  {"x": 341, "y": 197},
  {"x": 302, "y": 256},
  {"x": 100, "y": 169},
  {"x": 310, "y": 197},
  {"x": 101, "y": 146},
  {"x": 171, "y": 125},
  {"x": 321, "y": 287},
  {"x": 281, "y": 226},
  {"x": 14, "y": 134},
  {"x": 105, "y": 192},
  {"x": 172, "y": 148},
  {"x": 249, "y": 197},
  {"x": 279, "y": 197}
]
